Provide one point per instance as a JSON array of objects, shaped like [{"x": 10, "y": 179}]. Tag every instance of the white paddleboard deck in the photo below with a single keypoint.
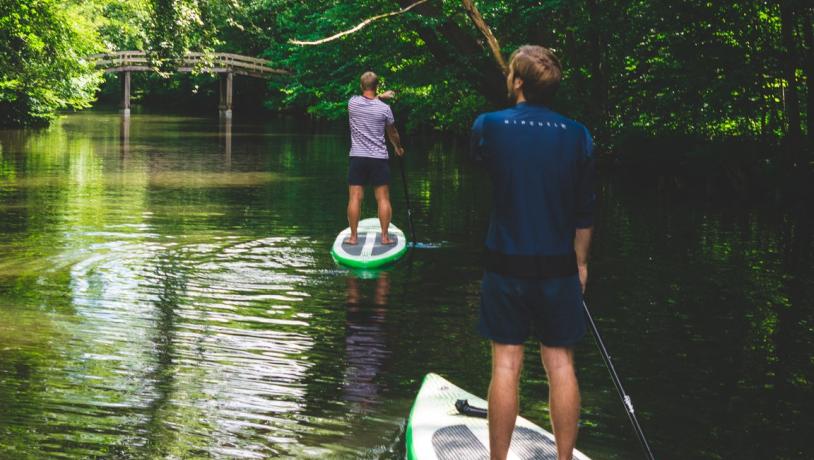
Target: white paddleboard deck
[
  {"x": 369, "y": 251},
  {"x": 436, "y": 431}
]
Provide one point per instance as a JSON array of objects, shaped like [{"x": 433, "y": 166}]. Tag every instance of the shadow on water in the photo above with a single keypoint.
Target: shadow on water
[
  {"x": 722, "y": 300},
  {"x": 166, "y": 290}
]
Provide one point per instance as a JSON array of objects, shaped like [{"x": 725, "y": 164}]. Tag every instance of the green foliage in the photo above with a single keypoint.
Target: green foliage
[
  {"x": 431, "y": 93},
  {"x": 695, "y": 68},
  {"x": 176, "y": 26},
  {"x": 123, "y": 24},
  {"x": 700, "y": 69},
  {"x": 42, "y": 67}
]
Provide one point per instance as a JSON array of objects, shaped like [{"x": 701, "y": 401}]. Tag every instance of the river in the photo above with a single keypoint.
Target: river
[{"x": 166, "y": 291}]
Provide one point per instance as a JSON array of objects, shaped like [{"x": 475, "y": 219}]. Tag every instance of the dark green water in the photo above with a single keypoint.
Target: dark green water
[{"x": 166, "y": 291}]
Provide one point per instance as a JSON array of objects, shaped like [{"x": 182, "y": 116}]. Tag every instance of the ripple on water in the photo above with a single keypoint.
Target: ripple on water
[{"x": 201, "y": 341}]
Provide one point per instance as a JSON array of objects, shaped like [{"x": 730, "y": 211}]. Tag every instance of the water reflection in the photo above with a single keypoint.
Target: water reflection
[
  {"x": 365, "y": 340},
  {"x": 166, "y": 291},
  {"x": 225, "y": 133},
  {"x": 188, "y": 321},
  {"x": 124, "y": 139}
]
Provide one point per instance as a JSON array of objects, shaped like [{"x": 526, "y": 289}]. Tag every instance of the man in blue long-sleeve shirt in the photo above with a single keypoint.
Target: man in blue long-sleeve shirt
[{"x": 542, "y": 170}]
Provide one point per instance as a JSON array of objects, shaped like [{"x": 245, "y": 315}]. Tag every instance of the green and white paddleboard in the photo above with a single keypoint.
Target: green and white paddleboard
[
  {"x": 369, "y": 252},
  {"x": 436, "y": 431}
]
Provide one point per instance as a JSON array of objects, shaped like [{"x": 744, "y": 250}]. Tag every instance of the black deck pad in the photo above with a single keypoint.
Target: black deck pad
[
  {"x": 458, "y": 442},
  {"x": 356, "y": 249},
  {"x": 379, "y": 248},
  {"x": 530, "y": 444}
]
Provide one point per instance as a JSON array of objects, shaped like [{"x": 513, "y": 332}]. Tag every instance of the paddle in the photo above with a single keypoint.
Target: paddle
[
  {"x": 626, "y": 401},
  {"x": 407, "y": 197}
]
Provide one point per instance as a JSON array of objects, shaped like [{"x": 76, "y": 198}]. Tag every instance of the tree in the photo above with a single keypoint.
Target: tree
[
  {"x": 633, "y": 69},
  {"x": 42, "y": 70},
  {"x": 788, "y": 10},
  {"x": 808, "y": 33}
]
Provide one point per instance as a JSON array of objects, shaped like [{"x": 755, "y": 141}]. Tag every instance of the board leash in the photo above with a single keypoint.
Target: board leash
[{"x": 627, "y": 402}]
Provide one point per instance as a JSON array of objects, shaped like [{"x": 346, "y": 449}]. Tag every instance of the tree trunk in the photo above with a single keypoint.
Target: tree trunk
[
  {"x": 599, "y": 83},
  {"x": 789, "y": 60},
  {"x": 491, "y": 40},
  {"x": 808, "y": 33},
  {"x": 571, "y": 51},
  {"x": 449, "y": 43}
]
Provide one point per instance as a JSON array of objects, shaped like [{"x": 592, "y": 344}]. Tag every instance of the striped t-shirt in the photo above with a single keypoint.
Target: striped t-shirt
[{"x": 368, "y": 119}]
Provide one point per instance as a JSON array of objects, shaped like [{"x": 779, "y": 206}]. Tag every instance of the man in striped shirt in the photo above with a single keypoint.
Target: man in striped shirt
[{"x": 370, "y": 119}]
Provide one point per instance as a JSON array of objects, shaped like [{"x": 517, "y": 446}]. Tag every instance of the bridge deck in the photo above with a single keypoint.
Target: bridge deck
[{"x": 137, "y": 61}]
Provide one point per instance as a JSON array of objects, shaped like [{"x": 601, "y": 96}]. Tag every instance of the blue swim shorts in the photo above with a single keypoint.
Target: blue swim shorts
[
  {"x": 549, "y": 309},
  {"x": 368, "y": 171}
]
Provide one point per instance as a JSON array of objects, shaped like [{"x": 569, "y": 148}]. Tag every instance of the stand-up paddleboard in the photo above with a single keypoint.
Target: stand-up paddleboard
[
  {"x": 438, "y": 431},
  {"x": 369, "y": 252}
]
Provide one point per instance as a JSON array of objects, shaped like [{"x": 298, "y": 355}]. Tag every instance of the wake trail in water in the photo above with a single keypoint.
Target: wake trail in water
[{"x": 438, "y": 245}]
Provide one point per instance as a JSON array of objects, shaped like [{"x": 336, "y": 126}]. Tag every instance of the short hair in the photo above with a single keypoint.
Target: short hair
[
  {"x": 368, "y": 81},
  {"x": 540, "y": 71}
]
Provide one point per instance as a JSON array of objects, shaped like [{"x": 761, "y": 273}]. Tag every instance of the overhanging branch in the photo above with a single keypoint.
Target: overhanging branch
[
  {"x": 358, "y": 26},
  {"x": 491, "y": 40}
]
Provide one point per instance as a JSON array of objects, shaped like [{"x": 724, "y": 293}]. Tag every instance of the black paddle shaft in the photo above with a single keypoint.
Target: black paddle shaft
[
  {"x": 626, "y": 401},
  {"x": 407, "y": 198}
]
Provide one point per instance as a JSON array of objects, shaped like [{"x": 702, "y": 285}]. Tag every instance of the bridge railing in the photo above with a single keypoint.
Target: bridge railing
[{"x": 126, "y": 61}]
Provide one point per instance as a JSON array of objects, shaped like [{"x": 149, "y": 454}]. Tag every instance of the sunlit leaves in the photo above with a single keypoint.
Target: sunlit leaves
[
  {"x": 42, "y": 44},
  {"x": 699, "y": 68}
]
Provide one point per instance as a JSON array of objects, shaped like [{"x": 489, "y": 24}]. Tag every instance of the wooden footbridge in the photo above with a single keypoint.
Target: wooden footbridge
[{"x": 227, "y": 65}]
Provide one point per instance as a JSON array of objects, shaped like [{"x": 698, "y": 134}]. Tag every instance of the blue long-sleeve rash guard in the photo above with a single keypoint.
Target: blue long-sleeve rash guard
[{"x": 542, "y": 169}]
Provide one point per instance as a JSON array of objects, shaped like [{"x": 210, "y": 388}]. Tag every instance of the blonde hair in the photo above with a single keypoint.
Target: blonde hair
[
  {"x": 540, "y": 71},
  {"x": 369, "y": 81}
]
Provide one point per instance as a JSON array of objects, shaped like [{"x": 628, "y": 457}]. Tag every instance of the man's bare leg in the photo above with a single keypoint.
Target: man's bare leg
[
  {"x": 385, "y": 211},
  {"x": 355, "y": 195},
  {"x": 563, "y": 397},
  {"x": 507, "y": 362}
]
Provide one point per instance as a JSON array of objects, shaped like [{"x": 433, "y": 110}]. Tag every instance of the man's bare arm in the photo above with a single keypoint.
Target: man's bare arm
[
  {"x": 393, "y": 135},
  {"x": 582, "y": 244}
]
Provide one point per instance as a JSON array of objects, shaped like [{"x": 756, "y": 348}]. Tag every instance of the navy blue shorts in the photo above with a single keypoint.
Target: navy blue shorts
[
  {"x": 548, "y": 309},
  {"x": 368, "y": 171}
]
